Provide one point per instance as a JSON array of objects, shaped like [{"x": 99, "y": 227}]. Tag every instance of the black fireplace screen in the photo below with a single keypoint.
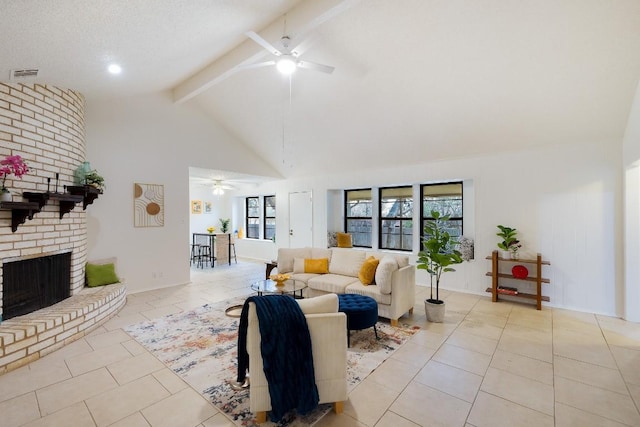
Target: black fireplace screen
[{"x": 32, "y": 284}]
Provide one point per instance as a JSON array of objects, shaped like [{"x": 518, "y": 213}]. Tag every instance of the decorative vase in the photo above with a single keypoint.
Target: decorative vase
[
  {"x": 434, "y": 312},
  {"x": 505, "y": 254},
  {"x": 515, "y": 255},
  {"x": 5, "y": 195}
]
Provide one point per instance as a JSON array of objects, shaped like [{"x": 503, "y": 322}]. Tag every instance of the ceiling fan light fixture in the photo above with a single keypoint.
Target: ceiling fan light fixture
[
  {"x": 218, "y": 191},
  {"x": 286, "y": 64}
]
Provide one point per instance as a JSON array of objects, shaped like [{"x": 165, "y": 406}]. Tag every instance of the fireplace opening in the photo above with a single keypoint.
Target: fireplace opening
[{"x": 35, "y": 283}]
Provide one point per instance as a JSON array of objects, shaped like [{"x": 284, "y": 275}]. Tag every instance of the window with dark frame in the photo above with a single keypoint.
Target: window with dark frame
[
  {"x": 396, "y": 218},
  {"x": 269, "y": 217},
  {"x": 253, "y": 217},
  {"x": 445, "y": 198},
  {"x": 358, "y": 216}
]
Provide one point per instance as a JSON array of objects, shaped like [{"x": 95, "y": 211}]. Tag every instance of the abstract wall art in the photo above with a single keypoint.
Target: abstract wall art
[
  {"x": 196, "y": 206},
  {"x": 148, "y": 205}
]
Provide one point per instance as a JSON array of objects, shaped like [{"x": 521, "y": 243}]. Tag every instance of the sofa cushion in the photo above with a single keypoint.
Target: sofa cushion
[
  {"x": 372, "y": 291},
  {"x": 286, "y": 256},
  {"x": 346, "y": 262},
  {"x": 344, "y": 240},
  {"x": 368, "y": 270},
  {"x": 304, "y": 277},
  {"x": 334, "y": 283},
  {"x": 403, "y": 260},
  {"x": 387, "y": 266},
  {"x": 322, "y": 304},
  {"x": 321, "y": 253}
]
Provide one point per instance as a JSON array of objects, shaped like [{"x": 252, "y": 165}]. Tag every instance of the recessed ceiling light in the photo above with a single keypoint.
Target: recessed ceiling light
[{"x": 115, "y": 69}]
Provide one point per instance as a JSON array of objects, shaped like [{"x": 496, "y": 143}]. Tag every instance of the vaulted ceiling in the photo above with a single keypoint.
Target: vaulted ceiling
[{"x": 414, "y": 80}]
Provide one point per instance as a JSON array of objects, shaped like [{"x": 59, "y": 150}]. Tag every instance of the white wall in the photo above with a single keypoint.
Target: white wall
[
  {"x": 149, "y": 139},
  {"x": 564, "y": 200},
  {"x": 631, "y": 161}
]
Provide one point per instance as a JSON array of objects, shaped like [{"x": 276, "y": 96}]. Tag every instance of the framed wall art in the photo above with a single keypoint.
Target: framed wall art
[
  {"x": 208, "y": 207},
  {"x": 196, "y": 206},
  {"x": 148, "y": 205}
]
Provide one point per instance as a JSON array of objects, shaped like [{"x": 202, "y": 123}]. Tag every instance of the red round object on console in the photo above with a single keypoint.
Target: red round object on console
[{"x": 519, "y": 271}]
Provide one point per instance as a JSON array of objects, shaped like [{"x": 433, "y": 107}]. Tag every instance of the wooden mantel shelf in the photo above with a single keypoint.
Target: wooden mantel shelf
[{"x": 20, "y": 211}]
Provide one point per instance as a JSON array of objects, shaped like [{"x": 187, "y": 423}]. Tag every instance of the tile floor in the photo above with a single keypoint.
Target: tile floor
[{"x": 488, "y": 364}]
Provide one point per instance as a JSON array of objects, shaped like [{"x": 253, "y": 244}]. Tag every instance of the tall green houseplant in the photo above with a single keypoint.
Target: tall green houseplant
[{"x": 437, "y": 257}]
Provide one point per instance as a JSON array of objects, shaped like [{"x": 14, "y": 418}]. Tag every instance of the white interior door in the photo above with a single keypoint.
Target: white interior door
[{"x": 300, "y": 219}]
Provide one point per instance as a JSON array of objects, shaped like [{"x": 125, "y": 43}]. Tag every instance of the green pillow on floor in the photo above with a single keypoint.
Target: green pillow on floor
[{"x": 101, "y": 274}]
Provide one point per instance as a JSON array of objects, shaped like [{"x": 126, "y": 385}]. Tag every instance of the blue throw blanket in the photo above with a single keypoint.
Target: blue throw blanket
[{"x": 286, "y": 353}]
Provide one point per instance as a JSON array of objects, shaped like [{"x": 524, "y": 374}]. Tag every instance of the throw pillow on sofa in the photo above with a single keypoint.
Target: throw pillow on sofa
[
  {"x": 346, "y": 262},
  {"x": 344, "y": 240},
  {"x": 368, "y": 270},
  {"x": 387, "y": 266},
  {"x": 311, "y": 265},
  {"x": 286, "y": 257}
]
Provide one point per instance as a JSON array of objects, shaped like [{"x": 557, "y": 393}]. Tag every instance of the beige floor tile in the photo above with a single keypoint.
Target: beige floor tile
[
  {"x": 522, "y": 365},
  {"x": 79, "y": 365},
  {"x": 521, "y": 390},
  {"x": 184, "y": 409},
  {"x": 486, "y": 318},
  {"x": 170, "y": 380},
  {"x": 123, "y": 320},
  {"x": 133, "y": 420},
  {"x": 493, "y": 411},
  {"x": 413, "y": 354},
  {"x": 594, "y": 354},
  {"x": 394, "y": 374},
  {"x": 473, "y": 342},
  {"x": 368, "y": 401},
  {"x": 634, "y": 390},
  {"x": 65, "y": 393},
  {"x": 135, "y": 367},
  {"x": 76, "y": 415},
  {"x": 107, "y": 339},
  {"x": 418, "y": 404},
  {"x": 527, "y": 333},
  {"x": 218, "y": 420},
  {"x": 19, "y": 410},
  {"x": 134, "y": 347},
  {"x": 542, "y": 323},
  {"x": 15, "y": 383},
  {"x": 480, "y": 329},
  {"x": 114, "y": 405},
  {"x": 448, "y": 379},
  {"x": 76, "y": 348},
  {"x": 566, "y": 416},
  {"x": 390, "y": 419},
  {"x": 597, "y": 376},
  {"x": 428, "y": 339},
  {"x": 526, "y": 347},
  {"x": 462, "y": 358},
  {"x": 618, "y": 407},
  {"x": 133, "y": 307},
  {"x": 628, "y": 362},
  {"x": 485, "y": 305},
  {"x": 621, "y": 340}
]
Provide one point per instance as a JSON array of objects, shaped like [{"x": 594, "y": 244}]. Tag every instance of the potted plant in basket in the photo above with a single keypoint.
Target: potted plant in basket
[
  {"x": 510, "y": 244},
  {"x": 437, "y": 257}
]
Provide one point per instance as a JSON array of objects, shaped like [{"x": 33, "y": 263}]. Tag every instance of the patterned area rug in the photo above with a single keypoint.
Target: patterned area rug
[{"x": 200, "y": 346}]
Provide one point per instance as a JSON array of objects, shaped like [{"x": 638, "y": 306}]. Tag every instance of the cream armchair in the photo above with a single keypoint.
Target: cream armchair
[{"x": 328, "y": 330}]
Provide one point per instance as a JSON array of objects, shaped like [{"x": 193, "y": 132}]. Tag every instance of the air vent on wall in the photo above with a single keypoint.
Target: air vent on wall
[{"x": 23, "y": 74}]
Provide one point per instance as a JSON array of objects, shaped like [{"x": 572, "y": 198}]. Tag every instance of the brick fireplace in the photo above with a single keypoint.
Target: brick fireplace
[{"x": 45, "y": 126}]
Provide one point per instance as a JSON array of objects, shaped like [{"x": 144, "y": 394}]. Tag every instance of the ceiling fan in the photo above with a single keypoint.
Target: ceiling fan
[
  {"x": 218, "y": 186},
  {"x": 288, "y": 58}
]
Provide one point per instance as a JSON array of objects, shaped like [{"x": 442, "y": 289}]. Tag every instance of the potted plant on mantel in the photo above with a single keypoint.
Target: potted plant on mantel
[
  {"x": 436, "y": 258},
  {"x": 510, "y": 244}
]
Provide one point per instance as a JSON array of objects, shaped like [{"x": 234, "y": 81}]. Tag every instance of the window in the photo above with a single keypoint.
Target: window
[
  {"x": 447, "y": 199},
  {"x": 269, "y": 217},
  {"x": 396, "y": 218},
  {"x": 253, "y": 217},
  {"x": 358, "y": 213}
]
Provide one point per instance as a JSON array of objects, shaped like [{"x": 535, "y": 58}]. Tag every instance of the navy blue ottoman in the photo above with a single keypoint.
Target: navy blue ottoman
[{"x": 361, "y": 311}]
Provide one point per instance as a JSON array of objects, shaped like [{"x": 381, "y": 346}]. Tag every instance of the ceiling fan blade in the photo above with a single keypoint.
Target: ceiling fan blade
[
  {"x": 262, "y": 42},
  {"x": 257, "y": 65},
  {"x": 316, "y": 67}
]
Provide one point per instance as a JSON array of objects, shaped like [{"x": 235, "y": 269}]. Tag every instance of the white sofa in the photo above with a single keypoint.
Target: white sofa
[
  {"x": 393, "y": 289},
  {"x": 328, "y": 331}
]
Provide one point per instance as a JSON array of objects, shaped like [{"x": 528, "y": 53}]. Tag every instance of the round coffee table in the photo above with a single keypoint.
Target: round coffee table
[{"x": 268, "y": 286}]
